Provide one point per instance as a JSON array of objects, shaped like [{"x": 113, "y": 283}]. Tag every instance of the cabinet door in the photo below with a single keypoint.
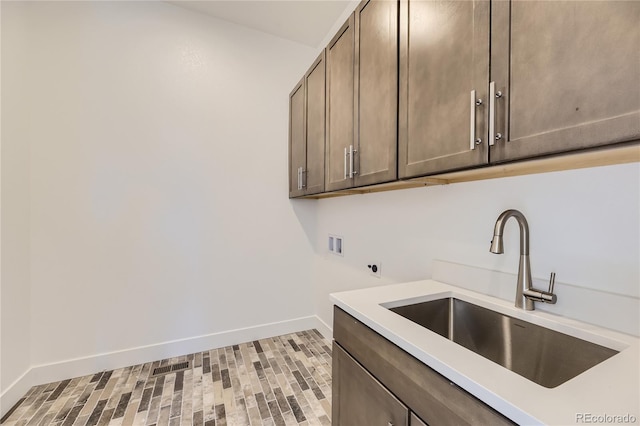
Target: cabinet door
[
  {"x": 297, "y": 149},
  {"x": 569, "y": 74},
  {"x": 359, "y": 399},
  {"x": 315, "y": 111},
  {"x": 444, "y": 56},
  {"x": 415, "y": 421},
  {"x": 376, "y": 91},
  {"x": 340, "y": 106}
]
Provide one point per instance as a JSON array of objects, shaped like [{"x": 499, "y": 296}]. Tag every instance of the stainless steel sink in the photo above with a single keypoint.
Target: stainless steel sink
[{"x": 544, "y": 356}]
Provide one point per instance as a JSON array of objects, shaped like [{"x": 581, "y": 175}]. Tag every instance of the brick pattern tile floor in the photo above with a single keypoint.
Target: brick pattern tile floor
[{"x": 283, "y": 380}]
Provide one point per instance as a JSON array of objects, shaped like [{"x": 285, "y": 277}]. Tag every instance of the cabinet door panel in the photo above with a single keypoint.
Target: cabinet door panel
[
  {"x": 444, "y": 55},
  {"x": 376, "y": 67},
  {"x": 415, "y": 421},
  {"x": 297, "y": 150},
  {"x": 359, "y": 399},
  {"x": 340, "y": 105},
  {"x": 572, "y": 70},
  {"x": 315, "y": 110}
]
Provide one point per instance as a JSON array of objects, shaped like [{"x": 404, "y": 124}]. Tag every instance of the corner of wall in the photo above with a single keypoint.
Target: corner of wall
[
  {"x": 15, "y": 391},
  {"x": 325, "y": 329},
  {"x": 15, "y": 323}
]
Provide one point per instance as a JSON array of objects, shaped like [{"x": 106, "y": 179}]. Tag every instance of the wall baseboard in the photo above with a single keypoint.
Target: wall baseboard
[
  {"x": 324, "y": 329},
  {"x": 14, "y": 392},
  {"x": 47, "y": 373}
]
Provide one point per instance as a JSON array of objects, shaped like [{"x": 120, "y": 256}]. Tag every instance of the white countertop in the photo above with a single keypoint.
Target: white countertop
[{"x": 611, "y": 388}]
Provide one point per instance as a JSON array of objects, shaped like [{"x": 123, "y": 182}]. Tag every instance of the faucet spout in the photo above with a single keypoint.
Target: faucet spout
[
  {"x": 497, "y": 245},
  {"x": 525, "y": 293}
]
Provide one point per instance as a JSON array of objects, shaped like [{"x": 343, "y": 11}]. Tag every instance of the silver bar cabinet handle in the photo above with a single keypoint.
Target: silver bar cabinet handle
[
  {"x": 352, "y": 172},
  {"x": 473, "y": 141},
  {"x": 492, "y": 113},
  {"x": 299, "y": 178},
  {"x": 345, "y": 162},
  {"x": 493, "y": 95}
]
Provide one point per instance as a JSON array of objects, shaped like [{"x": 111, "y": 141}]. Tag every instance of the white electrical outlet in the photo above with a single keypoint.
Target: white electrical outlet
[
  {"x": 375, "y": 269},
  {"x": 336, "y": 245}
]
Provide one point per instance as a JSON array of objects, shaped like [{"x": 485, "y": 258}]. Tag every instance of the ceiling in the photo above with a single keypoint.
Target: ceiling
[{"x": 303, "y": 21}]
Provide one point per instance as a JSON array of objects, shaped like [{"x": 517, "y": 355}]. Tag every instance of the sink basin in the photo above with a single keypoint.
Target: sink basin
[{"x": 546, "y": 357}]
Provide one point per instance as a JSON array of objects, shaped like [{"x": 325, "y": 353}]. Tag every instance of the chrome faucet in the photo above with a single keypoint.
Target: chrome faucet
[{"x": 525, "y": 293}]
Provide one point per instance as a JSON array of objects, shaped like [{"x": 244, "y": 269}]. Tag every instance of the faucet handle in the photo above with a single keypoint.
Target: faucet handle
[{"x": 541, "y": 295}]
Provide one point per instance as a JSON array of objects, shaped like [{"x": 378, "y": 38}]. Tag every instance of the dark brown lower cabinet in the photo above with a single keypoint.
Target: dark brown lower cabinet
[
  {"x": 359, "y": 399},
  {"x": 377, "y": 383}
]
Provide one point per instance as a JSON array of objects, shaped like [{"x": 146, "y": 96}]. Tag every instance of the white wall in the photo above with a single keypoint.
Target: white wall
[
  {"x": 158, "y": 176},
  {"x": 14, "y": 198},
  {"x": 585, "y": 226}
]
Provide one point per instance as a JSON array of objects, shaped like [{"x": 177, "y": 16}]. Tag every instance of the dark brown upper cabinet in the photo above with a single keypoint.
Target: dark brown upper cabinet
[
  {"x": 562, "y": 76},
  {"x": 340, "y": 107},
  {"x": 307, "y": 132},
  {"x": 376, "y": 92},
  {"x": 362, "y": 81},
  {"x": 444, "y": 79},
  {"x": 297, "y": 144},
  {"x": 420, "y": 88},
  {"x": 315, "y": 107},
  {"x": 565, "y": 76}
]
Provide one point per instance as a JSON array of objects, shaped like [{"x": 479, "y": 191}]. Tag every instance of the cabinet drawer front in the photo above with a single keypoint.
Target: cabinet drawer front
[
  {"x": 359, "y": 399},
  {"x": 431, "y": 396}
]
